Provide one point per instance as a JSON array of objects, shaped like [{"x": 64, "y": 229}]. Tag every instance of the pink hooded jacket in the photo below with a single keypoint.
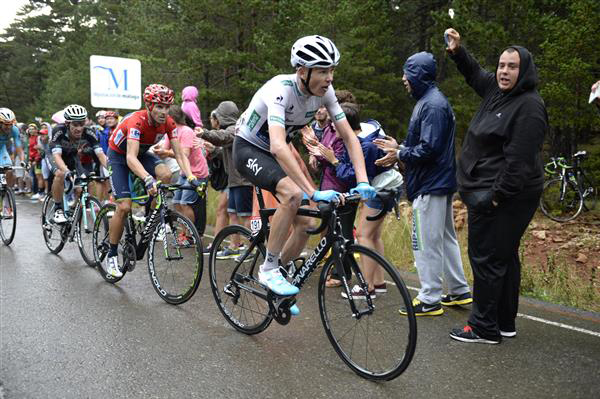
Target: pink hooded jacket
[{"x": 189, "y": 106}]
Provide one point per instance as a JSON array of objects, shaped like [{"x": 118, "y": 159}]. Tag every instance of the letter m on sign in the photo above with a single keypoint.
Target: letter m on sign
[{"x": 113, "y": 77}]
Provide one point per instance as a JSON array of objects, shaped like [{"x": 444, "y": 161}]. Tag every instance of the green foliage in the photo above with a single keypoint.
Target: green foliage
[{"x": 229, "y": 48}]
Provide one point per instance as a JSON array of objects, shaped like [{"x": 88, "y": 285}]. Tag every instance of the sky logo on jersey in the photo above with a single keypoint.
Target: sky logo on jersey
[
  {"x": 340, "y": 116},
  {"x": 253, "y": 120},
  {"x": 279, "y": 99},
  {"x": 287, "y": 82},
  {"x": 134, "y": 134},
  {"x": 310, "y": 114}
]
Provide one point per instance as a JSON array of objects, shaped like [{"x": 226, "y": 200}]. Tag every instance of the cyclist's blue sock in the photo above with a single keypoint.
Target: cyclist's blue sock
[
  {"x": 113, "y": 250},
  {"x": 294, "y": 310}
]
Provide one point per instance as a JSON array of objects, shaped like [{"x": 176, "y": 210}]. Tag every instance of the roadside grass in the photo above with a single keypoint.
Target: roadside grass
[{"x": 555, "y": 281}]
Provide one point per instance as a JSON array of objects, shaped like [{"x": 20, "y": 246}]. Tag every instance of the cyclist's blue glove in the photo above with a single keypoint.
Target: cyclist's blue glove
[
  {"x": 326, "y": 195},
  {"x": 366, "y": 191}
]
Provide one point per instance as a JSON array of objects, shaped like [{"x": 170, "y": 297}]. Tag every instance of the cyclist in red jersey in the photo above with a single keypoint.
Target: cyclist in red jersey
[{"x": 128, "y": 151}]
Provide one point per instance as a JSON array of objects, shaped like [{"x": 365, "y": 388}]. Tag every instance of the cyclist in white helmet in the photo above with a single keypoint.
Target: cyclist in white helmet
[
  {"x": 71, "y": 140},
  {"x": 261, "y": 154},
  {"x": 8, "y": 131}
]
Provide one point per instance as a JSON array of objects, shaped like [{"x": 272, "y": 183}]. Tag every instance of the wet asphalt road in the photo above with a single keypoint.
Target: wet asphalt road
[{"x": 65, "y": 333}]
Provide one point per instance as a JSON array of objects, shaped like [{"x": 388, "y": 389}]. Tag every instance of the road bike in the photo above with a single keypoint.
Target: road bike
[
  {"x": 80, "y": 216},
  {"x": 366, "y": 331},
  {"x": 174, "y": 247},
  {"x": 569, "y": 191},
  {"x": 8, "y": 209}
]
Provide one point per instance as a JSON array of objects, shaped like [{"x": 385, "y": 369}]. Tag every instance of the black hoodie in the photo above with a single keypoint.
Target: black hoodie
[{"x": 501, "y": 152}]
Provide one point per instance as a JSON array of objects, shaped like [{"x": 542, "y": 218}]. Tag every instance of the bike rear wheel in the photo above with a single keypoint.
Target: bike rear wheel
[
  {"x": 101, "y": 244},
  {"x": 8, "y": 215},
  {"x": 561, "y": 201},
  {"x": 54, "y": 234},
  {"x": 175, "y": 259},
  {"x": 379, "y": 344},
  {"x": 233, "y": 277},
  {"x": 85, "y": 229}
]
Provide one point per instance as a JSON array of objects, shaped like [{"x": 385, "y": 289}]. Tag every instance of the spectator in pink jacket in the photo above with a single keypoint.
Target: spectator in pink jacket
[{"x": 193, "y": 118}]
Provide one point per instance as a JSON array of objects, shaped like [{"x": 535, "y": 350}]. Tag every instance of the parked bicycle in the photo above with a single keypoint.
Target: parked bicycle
[
  {"x": 367, "y": 331},
  {"x": 569, "y": 191},
  {"x": 174, "y": 247},
  {"x": 8, "y": 209},
  {"x": 80, "y": 218}
]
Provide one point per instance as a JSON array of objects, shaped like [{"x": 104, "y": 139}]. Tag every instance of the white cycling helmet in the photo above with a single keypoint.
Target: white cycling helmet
[
  {"x": 74, "y": 113},
  {"x": 314, "y": 51},
  {"x": 7, "y": 117}
]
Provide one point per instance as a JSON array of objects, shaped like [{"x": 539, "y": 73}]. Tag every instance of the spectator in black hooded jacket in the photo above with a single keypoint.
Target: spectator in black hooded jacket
[{"x": 500, "y": 178}]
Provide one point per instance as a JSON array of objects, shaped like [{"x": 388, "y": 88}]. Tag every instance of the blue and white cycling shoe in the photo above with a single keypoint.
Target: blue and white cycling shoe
[
  {"x": 275, "y": 281},
  {"x": 294, "y": 310}
]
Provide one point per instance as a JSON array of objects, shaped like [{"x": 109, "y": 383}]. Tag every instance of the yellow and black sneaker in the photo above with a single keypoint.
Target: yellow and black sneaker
[
  {"x": 424, "y": 309},
  {"x": 454, "y": 300}
]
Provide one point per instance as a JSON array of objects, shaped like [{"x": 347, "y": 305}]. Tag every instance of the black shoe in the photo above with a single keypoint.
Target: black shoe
[
  {"x": 424, "y": 309},
  {"x": 467, "y": 334},
  {"x": 453, "y": 300}
]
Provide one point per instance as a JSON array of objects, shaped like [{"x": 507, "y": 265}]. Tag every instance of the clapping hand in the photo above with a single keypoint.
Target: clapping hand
[
  {"x": 388, "y": 144},
  {"x": 309, "y": 138},
  {"x": 387, "y": 160}
]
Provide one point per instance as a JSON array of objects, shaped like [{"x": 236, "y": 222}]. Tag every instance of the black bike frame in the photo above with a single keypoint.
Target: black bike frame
[{"x": 333, "y": 240}]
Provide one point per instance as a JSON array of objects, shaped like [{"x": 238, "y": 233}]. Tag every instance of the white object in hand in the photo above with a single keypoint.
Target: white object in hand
[
  {"x": 594, "y": 94},
  {"x": 451, "y": 13}
]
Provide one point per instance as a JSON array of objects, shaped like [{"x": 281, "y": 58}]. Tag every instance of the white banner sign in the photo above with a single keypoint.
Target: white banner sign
[{"x": 115, "y": 82}]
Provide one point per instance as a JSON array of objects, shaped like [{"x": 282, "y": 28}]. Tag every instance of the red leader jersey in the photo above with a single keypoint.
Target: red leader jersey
[{"x": 137, "y": 126}]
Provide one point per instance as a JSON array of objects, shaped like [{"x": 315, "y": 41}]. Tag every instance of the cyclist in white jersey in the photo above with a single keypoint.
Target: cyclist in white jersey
[{"x": 261, "y": 154}]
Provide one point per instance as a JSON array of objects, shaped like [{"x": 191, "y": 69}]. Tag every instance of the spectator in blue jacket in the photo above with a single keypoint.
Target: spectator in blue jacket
[{"x": 428, "y": 155}]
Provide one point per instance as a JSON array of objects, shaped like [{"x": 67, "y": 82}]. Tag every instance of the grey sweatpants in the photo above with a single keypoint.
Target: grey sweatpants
[{"x": 436, "y": 249}]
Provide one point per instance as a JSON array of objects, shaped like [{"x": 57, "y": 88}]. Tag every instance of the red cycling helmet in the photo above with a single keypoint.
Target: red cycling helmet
[{"x": 158, "y": 94}]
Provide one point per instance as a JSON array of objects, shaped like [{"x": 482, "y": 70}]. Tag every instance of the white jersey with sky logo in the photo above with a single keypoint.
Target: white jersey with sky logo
[{"x": 280, "y": 102}]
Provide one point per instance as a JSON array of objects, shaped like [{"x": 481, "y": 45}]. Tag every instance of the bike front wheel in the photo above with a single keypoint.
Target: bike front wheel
[
  {"x": 233, "y": 279},
  {"x": 374, "y": 340},
  {"x": 101, "y": 244},
  {"x": 54, "y": 234},
  {"x": 8, "y": 215},
  {"x": 561, "y": 201},
  {"x": 85, "y": 229},
  {"x": 175, "y": 260}
]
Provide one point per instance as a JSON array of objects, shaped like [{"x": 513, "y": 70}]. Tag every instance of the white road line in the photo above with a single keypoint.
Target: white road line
[
  {"x": 525, "y": 316},
  {"x": 562, "y": 325},
  {"x": 539, "y": 319}
]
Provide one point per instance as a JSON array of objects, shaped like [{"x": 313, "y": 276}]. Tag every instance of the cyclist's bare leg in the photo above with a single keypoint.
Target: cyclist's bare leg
[
  {"x": 290, "y": 197},
  {"x": 369, "y": 235},
  {"x": 58, "y": 186},
  {"x": 117, "y": 222},
  {"x": 297, "y": 241}
]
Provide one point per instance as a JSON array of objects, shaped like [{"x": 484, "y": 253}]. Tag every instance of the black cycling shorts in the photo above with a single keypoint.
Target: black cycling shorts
[{"x": 257, "y": 165}]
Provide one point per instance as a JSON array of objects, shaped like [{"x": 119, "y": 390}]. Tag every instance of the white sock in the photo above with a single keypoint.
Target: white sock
[{"x": 271, "y": 262}]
